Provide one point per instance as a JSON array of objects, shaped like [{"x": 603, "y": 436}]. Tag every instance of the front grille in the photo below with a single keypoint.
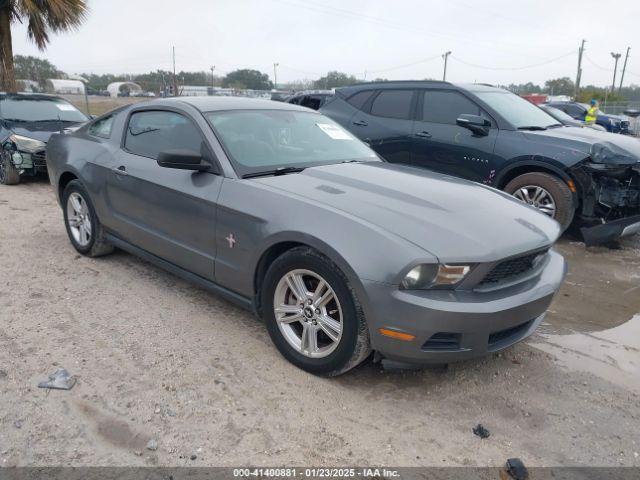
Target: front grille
[
  {"x": 443, "y": 341},
  {"x": 508, "y": 335},
  {"x": 511, "y": 268},
  {"x": 39, "y": 159}
]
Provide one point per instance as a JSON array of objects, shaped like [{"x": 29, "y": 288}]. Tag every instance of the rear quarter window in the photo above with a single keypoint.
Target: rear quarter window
[
  {"x": 359, "y": 99},
  {"x": 102, "y": 128},
  {"x": 393, "y": 104}
]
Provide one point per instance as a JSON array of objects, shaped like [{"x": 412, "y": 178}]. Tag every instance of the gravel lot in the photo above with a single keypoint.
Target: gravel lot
[{"x": 157, "y": 358}]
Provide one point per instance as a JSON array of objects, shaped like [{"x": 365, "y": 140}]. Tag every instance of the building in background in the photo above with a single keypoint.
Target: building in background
[{"x": 65, "y": 87}]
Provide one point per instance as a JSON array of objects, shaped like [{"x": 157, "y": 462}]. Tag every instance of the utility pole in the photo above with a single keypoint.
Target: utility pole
[
  {"x": 213, "y": 67},
  {"x": 175, "y": 80},
  {"x": 616, "y": 57},
  {"x": 445, "y": 56},
  {"x": 579, "y": 74},
  {"x": 624, "y": 67},
  {"x": 275, "y": 76}
]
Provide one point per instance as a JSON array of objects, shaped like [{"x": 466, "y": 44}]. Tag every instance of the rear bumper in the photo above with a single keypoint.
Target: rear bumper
[{"x": 451, "y": 326}]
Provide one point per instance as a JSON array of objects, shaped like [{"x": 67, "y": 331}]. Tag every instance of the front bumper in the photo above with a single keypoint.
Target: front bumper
[
  {"x": 34, "y": 162},
  {"x": 451, "y": 326},
  {"x": 611, "y": 231},
  {"x": 609, "y": 202}
]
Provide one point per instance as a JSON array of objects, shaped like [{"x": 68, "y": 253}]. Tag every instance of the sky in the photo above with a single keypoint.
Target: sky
[{"x": 491, "y": 41}]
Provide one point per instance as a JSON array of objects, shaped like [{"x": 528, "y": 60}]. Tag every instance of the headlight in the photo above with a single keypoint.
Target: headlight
[
  {"x": 26, "y": 144},
  {"x": 434, "y": 276}
]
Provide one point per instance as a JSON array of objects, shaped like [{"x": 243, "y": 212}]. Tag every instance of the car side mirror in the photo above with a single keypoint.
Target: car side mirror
[
  {"x": 183, "y": 160},
  {"x": 477, "y": 124}
]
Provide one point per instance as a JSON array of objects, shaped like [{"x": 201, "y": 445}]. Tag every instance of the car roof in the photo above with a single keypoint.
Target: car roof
[
  {"x": 472, "y": 87},
  {"x": 312, "y": 92},
  {"x": 211, "y": 104}
]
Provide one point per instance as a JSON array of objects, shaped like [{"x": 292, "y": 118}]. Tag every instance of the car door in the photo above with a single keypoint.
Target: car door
[
  {"x": 386, "y": 123},
  {"x": 439, "y": 144},
  {"x": 167, "y": 212}
]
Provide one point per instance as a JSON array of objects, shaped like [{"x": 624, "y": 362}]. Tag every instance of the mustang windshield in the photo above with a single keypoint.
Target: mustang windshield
[
  {"x": 264, "y": 140},
  {"x": 23, "y": 108},
  {"x": 521, "y": 113}
]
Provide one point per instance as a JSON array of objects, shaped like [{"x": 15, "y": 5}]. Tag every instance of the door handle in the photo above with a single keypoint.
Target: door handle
[
  {"x": 360, "y": 123},
  {"x": 423, "y": 134},
  {"x": 121, "y": 170}
]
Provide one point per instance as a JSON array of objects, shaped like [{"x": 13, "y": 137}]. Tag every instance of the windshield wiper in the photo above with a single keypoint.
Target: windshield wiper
[
  {"x": 15, "y": 120},
  {"x": 556, "y": 125},
  {"x": 276, "y": 172},
  {"x": 532, "y": 127}
]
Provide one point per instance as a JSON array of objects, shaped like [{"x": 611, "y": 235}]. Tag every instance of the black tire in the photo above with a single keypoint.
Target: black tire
[
  {"x": 97, "y": 244},
  {"x": 559, "y": 191},
  {"x": 353, "y": 346},
  {"x": 9, "y": 174}
]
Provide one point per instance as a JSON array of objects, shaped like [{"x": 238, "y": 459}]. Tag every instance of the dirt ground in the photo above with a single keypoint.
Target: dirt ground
[{"x": 157, "y": 358}]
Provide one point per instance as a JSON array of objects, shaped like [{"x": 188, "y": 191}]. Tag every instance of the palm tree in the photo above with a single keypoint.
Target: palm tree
[{"x": 42, "y": 18}]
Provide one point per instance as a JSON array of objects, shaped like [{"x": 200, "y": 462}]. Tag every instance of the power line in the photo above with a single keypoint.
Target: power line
[
  {"x": 484, "y": 67},
  {"x": 495, "y": 13},
  {"x": 405, "y": 65},
  {"x": 403, "y": 27},
  {"x": 595, "y": 64}
]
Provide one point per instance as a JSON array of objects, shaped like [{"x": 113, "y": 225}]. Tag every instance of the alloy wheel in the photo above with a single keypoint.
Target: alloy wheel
[
  {"x": 537, "y": 197},
  {"x": 79, "y": 219},
  {"x": 3, "y": 168},
  {"x": 308, "y": 313}
]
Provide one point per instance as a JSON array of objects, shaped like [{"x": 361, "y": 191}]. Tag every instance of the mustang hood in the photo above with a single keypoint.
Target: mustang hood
[
  {"x": 580, "y": 143},
  {"x": 455, "y": 220}
]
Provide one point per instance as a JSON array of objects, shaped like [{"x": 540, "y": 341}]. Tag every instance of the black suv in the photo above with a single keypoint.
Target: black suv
[{"x": 492, "y": 136}]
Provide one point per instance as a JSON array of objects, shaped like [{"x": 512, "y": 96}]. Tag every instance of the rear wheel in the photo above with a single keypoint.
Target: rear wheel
[
  {"x": 83, "y": 227},
  {"x": 545, "y": 192},
  {"x": 9, "y": 174},
  {"x": 312, "y": 314}
]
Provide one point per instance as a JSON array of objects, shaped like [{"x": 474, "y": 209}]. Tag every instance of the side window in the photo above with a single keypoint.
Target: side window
[
  {"x": 441, "y": 106},
  {"x": 311, "y": 101},
  {"x": 359, "y": 99},
  {"x": 102, "y": 128},
  {"x": 152, "y": 132},
  {"x": 393, "y": 104},
  {"x": 574, "y": 111},
  {"x": 295, "y": 100}
]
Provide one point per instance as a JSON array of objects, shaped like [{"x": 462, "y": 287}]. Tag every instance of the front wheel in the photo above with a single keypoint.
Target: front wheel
[
  {"x": 545, "y": 192},
  {"x": 312, "y": 314},
  {"x": 9, "y": 174}
]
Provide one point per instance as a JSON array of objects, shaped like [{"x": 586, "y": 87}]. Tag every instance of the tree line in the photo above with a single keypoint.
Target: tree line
[
  {"x": 566, "y": 86},
  {"x": 39, "y": 70}
]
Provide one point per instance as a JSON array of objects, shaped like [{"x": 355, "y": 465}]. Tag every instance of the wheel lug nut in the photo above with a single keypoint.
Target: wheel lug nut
[
  {"x": 309, "y": 301},
  {"x": 317, "y": 311}
]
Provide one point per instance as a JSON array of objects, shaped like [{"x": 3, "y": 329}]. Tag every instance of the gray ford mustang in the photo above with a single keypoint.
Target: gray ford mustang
[{"x": 280, "y": 210}]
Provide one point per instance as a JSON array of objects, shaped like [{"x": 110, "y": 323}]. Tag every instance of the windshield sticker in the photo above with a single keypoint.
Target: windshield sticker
[
  {"x": 66, "y": 107},
  {"x": 334, "y": 132}
]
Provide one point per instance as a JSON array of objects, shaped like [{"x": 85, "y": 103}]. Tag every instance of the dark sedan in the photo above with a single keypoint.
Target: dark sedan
[
  {"x": 26, "y": 123},
  {"x": 578, "y": 111}
]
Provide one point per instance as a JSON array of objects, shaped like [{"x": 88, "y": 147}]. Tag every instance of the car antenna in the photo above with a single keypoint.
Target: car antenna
[{"x": 60, "y": 123}]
